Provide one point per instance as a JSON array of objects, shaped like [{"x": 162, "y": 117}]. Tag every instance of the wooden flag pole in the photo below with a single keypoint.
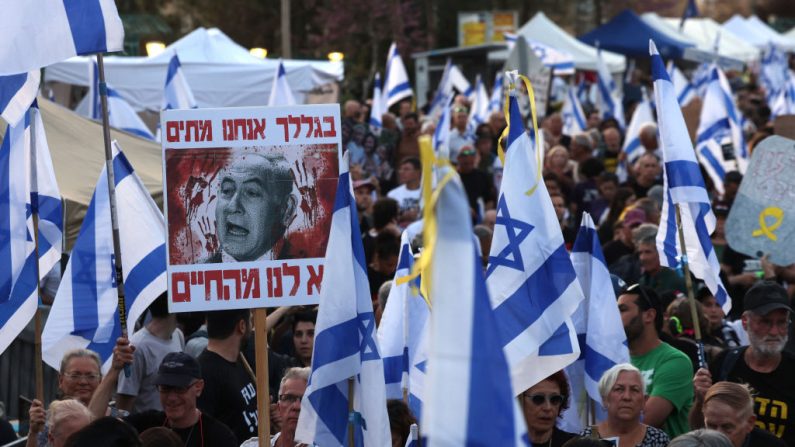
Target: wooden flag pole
[
  {"x": 263, "y": 390},
  {"x": 37, "y": 326},
  {"x": 114, "y": 218},
  {"x": 351, "y": 417},
  {"x": 702, "y": 363}
]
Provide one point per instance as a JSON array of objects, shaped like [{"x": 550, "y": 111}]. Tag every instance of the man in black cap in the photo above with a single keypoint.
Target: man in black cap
[{"x": 763, "y": 365}]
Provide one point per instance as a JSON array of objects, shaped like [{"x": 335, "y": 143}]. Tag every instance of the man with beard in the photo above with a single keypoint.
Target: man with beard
[
  {"x": 763, "y": 365},
  {"x": 229, "y": 391},
  {"x": 665, "y": 369}
]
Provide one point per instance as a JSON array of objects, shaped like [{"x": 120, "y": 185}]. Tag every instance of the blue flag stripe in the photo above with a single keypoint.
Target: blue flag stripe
[
  {"x": 143, "y": 273},
  {"x": 331, "y": 401},
  {"x": 84, "y": 276},
  {"x": 595, "y": 363},
  {"x": 587, "y": 241},
  {"x": 87, "y": 24},
  {"x": 516, "y": 125},
  {"x": 558, "y": 344},
  {"x": 341, "y": 340},
  {"x": 713, "y": 162},
  {"x": 22, "y": 289},
  {"x": 10, "y": 86},
  {"x": 683, "y": 173},
  {"x": 709, "y": 133},
  {"x": 6, "y": 267}
]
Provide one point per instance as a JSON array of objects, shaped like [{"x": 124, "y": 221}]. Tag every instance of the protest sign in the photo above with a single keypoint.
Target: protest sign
[
  {"x": 762, "y": 217},
  {"x": 524, "y": 59},
  {"x": 249, "y": 198}
]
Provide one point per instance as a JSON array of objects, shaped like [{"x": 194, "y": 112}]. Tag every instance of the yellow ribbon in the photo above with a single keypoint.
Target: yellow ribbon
[
  {"x": 506, "y": 110},
  {"x": 774, "y": 212}
]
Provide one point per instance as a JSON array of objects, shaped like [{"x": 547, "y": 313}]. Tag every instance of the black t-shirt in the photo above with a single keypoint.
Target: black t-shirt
[
  {"x": 559, "y": 437},
  {"x": 207, "y": 432},
  {"x": 477, "y": 184},
  {"x": 615, "y": 249},
  {"x": 774, "y": 395},
  {"x": 762, "y": 438},
  {"x": 229, "y": 395}
]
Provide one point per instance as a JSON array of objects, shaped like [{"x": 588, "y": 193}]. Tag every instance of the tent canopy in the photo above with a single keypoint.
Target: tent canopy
[
  {"x": 704, "y": 32},
  {"x": 758, "y": 32},
  {"x": 220, "y": 73},
  {"x": 78, "y": 155},
  {"x": 543, "y": 30},
  {"x": 627, "y": 34}
]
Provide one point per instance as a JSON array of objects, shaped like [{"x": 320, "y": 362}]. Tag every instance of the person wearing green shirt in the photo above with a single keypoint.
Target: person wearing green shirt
[{"x": 666, "y": 370}]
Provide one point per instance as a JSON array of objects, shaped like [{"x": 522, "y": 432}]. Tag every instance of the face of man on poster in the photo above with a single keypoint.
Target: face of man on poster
[{"x": 255, "y": 205}]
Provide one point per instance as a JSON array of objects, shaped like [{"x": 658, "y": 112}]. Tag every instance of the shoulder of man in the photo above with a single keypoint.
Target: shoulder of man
[
  {"x": 216, "y": 432},
  {"x": 764, "y": 437}
]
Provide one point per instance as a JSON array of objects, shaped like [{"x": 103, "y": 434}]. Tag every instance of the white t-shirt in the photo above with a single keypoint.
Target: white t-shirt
[{"x": 407, "y": 199}]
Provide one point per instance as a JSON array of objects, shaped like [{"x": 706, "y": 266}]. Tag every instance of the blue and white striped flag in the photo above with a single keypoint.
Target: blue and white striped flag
[
  {"x": 684, "y": 187},
  {"x": 632, "y": 147},
  {"x": 480, "y": 106},
  {"x": 17, "y": 93},
  {"x": 602, "y": 339},
  {"x": 37, "y": 33},
  {"x": 402, "y": 335},
  {"x": 784, "y": 103},
  {"x": 533, "y": 287},
  {"x": 685, "y": 92},
  {"x": 497, "y": 95},
  {"x": 561, "y": 62},
  {"x": 719, "y": 126},
  {"x": 27, "y": 186},
  {"x": 572, "y": 114},
  {"x": 700, "y": 79},
  {"x": 281, "y": 94},
  {"x": 345, "y": 343},
  {"x": 121, "y": 115},
  {"x": 396, "y": 83},
  {"x": 443, "y": 91},
  {"x": 608, "y": 99},
  {"x": 177, "y": 93},
  {"x": 377, "y": 109},
  {"x": 85, "y": 311},
  {"x": 468, "y": 381},
  {"x": 441, "y": 136},
  {"x": 773, "y": 73}
]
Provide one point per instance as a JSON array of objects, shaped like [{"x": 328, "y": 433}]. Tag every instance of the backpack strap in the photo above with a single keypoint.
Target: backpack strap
[{"x": 729, "y": 361}]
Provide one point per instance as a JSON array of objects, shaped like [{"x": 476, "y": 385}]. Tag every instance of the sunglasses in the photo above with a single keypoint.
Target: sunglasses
[{"x": 539, "y": 399}]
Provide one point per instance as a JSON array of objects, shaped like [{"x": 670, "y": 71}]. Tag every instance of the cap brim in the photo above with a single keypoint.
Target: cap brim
[
  {"x": 770, "y": 307},
  {"x": 178, "y": 380}
]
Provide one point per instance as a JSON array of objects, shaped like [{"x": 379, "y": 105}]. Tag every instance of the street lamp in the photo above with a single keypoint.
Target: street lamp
[
  {"x": 154, "y": 48},
  {"x": 336, "y": 56},
  {"x": 261, "y": 53}
]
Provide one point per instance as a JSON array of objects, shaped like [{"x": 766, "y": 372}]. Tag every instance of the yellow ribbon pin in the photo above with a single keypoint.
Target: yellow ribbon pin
[{"x": 774, "y": 212}]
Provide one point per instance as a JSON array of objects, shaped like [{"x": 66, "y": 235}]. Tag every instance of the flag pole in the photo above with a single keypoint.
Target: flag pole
[
  {"x": 689, "y": 286},
  {"x": 37, "y": 357},
  {"x": 263, "y": 390},
  {"x": 351, "y": 415},
  {"x": 114, "y": 219}
]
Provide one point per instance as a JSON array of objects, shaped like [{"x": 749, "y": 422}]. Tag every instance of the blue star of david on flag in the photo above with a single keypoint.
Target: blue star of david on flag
[
  {"x": 511, "y": 255},
  {"x": 368, "y": 348}
]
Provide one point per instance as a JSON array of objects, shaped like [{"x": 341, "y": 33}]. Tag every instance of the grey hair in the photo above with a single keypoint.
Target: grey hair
[
  {"x": 295, "y": 373},
  {"x": 78, "y": 353},
  {"x": 583, "y": 139},
  {"x": 610, "y": 376},
  {"x": 61, "y": 410},
  {"x": 383, "y": 294},
  {"x": 701, "y": 438},
  {"x": 649, "y": 129},
  {"x": 645, "y": 234}
]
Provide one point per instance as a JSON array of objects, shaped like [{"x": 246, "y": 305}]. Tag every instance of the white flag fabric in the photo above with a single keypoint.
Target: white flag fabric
[
  {"x": 533, "y": 287},
  {"x": 85, "y": 311},
  {"x": 377, "y": 108},
  {"x": 496, "y": 97},
  {"x": 441, "y": 136},
  {"x": 37, "y": 33},
  {"x": 683, "y": 186},
  {"x": 27, "y": 186},
  {"x": 685, "y": 92},
  {"x": 608, "y": 99},
  {"x": 17, "y": 93},
  {"x": 121, "y": 115},
  {"x": 598, "y": 325},
  {"x": 396, "y": 84},
  {"x": 480, "y": 105},
  {"x": 402, "y": 335},
  {"x": 177, "y": 93},
  {"x": 345, "y": 343},
  {"x": 632, "y": 147},
  {"x": 281, "y": 94},
  {"x": 784, "y": 102},
  {"x": 573, "y": 117},
  {"x": 469, "y": 400}
]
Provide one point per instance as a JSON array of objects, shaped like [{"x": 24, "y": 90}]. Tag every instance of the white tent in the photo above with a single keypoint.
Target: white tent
[
  {"x": 767, "y": 34},
  {"x": 220, "y": 73},
  {"x": 704, "y": 31},
  {"x": 541, "y": 29},
  {"x": 739, "y": 26},
  {"x": 655, "y": 21}
]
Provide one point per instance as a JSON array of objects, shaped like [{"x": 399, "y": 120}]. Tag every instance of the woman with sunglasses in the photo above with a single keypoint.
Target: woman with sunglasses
[
  {"x": 623, "y": 394},
  {"x": 542, "y": 405}
]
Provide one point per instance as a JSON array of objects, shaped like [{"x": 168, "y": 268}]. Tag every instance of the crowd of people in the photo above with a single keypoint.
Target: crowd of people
[{"x": 186, "y": 379}]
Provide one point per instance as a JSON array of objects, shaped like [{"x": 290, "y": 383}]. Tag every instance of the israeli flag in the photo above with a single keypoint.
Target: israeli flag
[
  {"x": 37, "y": 33},
  {"x": 533, "y": 287},
  {"x": 345, "y": 343},
  {"x": 17, "y": 93},
  {"x": 700, "y": 79},
  {"x": 496, "y": 97},
  {"x": 377, "y": 109},
  {"x": 396, "y": 84},
  {"x": 85, "y": 311},
  {"x": 685, "y": 92},
  {"x": 27, "y": 186},
  {"x": 684, "y": 187},
  {"x": 773, "y": 73},
  {"x": 480, "y": 105},
  {"x": 441, "y": 136},
  {"x": 720, "y": 141},
  {"x": 632, "y": 147},
  {"x": 443, "y": 91},
  {"x": 562, "y": 63},
  {"x": 784, "y": 103},
  {"x": 608, "y": 98},
  {"x": 573, "y": 117},
  {"x": 469, "y": 400},
  {"x": 177, "y": 93},
  {"x": 281, "y": 94},
  {"x": 402, "y": 335},
  {"x": 599, "y": 328},
  {"x": 121, "y": 115}
]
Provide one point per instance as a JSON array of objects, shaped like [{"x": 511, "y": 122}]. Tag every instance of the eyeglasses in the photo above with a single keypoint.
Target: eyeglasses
[
  {"x": 539, "y": 399},
  {"x": 166, "y": 389},
  {"x": 637, "y": 289},
  {"x": 79, "y": 376},
  {"x": 290, "y": 398}
]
